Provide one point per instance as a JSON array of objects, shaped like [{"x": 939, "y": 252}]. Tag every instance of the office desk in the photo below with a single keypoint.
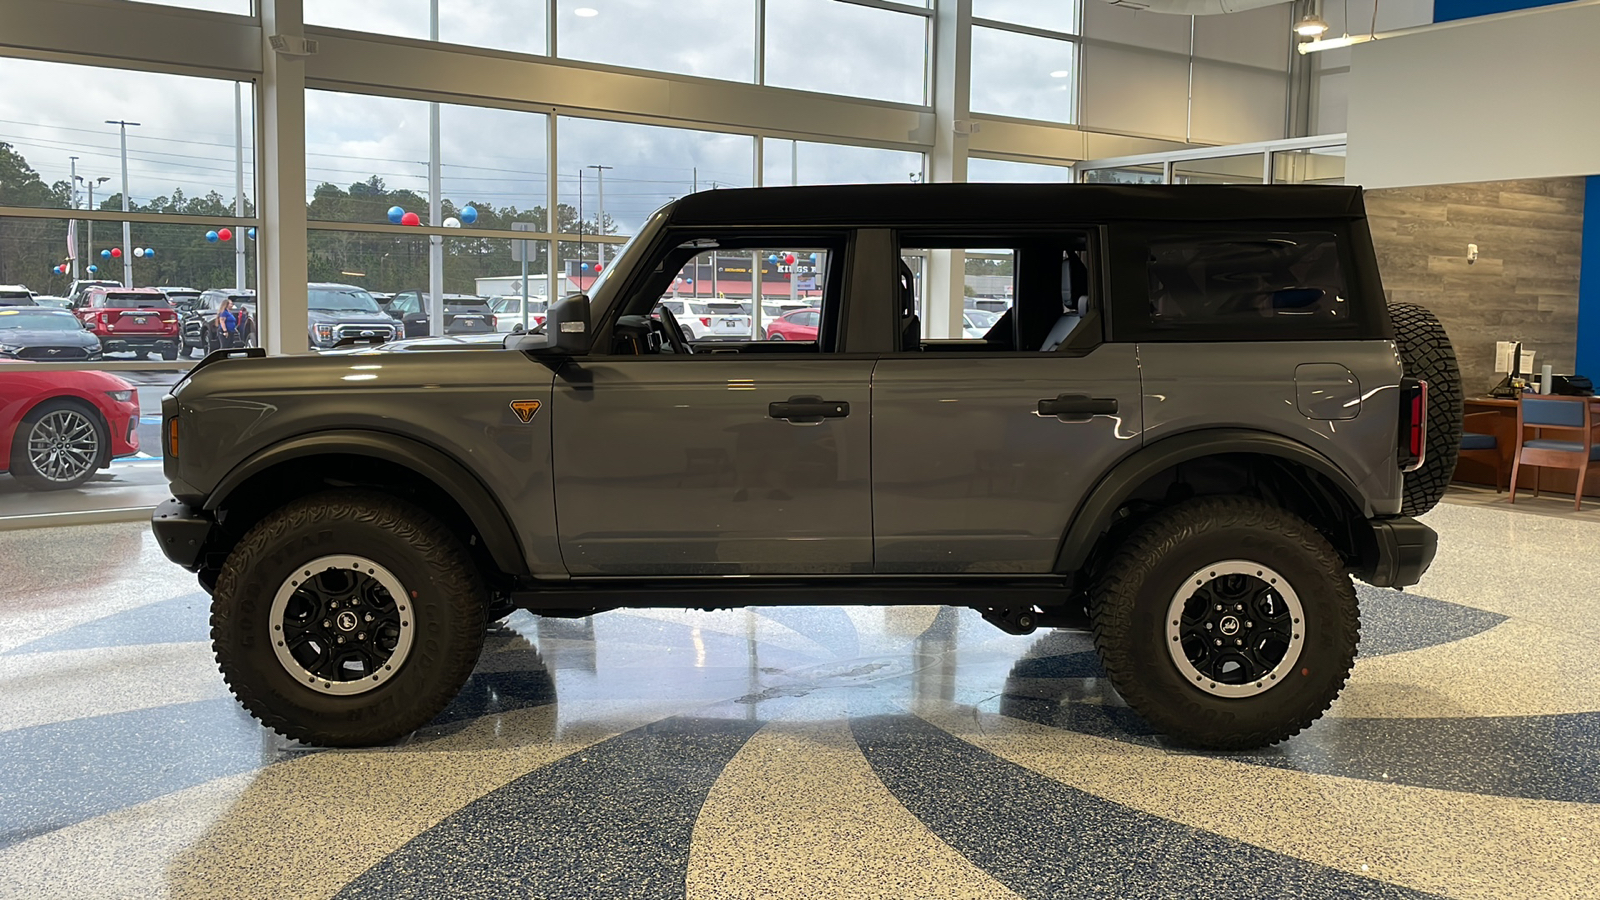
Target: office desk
[{"x": 1505, "y": 432}]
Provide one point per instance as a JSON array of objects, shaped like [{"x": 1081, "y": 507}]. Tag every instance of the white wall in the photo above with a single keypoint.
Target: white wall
[{"x": 1494, "y": 99}]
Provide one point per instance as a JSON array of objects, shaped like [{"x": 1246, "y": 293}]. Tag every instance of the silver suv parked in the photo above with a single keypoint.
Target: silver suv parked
[{"x": 1195, "y": 422}]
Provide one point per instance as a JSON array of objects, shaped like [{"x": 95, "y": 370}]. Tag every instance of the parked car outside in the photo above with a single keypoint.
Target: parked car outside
[
  {"x": 463, "y": 313},
  {"x": 730, "y": 320},
  {"x": 81, "y": 286},
  {"x": 45, "y": 334},
  {"x": 200, "y": 320},
  {"x": 799, "y": 325},
  {"x": 694, "y": 316},
  {"x": 16, "y": 295},
  {"x": 52, "y": 301},
  {"x": 140, "y": 320},
  {"x": 58, "y": 428},
  {"x": 338, "y": 311},
  {"x": 508, "y": 312}
]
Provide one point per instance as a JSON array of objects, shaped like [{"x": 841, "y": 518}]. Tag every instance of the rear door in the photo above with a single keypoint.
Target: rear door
[
  {"x": 983, "y": 448},
  {"x": 736, "y": 459}
]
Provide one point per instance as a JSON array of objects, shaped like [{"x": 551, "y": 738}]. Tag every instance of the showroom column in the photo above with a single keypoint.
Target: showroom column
[
  {"x": 952, "y": 79},
  {"x": 282, "y": 246},
  {"x": 435, "y": 203}
]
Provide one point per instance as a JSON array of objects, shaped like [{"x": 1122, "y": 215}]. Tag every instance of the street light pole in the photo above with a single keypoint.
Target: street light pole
[
  {"x": 127, "y": 241},
  {"x": 600, "y": 219},
  {"x": 90, "y": 183},
  {"x": 72, "y": 225}
]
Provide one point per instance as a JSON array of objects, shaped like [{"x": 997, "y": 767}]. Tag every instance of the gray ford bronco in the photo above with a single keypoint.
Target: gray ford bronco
[{"x": 1195, "y": 421}]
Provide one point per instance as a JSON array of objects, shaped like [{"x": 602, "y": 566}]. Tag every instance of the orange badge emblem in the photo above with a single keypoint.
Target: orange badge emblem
[{"x": 525, "y": 409}]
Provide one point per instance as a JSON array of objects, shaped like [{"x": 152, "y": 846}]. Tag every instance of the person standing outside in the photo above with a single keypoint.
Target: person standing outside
[{"x": 227, "y": 325}]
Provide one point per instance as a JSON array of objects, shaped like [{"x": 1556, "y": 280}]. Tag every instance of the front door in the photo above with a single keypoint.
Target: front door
[
  {"x": 743, "y": 458},
  {"x": 984, "y": 447}
]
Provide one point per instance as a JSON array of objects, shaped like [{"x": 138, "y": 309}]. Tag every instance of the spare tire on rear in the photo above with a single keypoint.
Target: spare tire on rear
[{"x": 1426, "y": 354}]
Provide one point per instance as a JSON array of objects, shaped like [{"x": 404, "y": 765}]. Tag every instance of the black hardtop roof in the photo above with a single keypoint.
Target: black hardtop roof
[{"x": 1012, "y": 204}]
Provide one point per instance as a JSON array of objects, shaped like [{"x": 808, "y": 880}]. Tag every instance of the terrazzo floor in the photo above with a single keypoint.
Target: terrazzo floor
[{"x": 806, "y": 752}]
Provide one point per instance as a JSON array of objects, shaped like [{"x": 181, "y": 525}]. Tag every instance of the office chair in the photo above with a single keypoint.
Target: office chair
[{"x": 1571, "y": 417}]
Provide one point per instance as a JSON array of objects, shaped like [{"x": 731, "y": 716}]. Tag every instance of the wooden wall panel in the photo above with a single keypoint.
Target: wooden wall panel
[{"x": 1524, "y": 285}]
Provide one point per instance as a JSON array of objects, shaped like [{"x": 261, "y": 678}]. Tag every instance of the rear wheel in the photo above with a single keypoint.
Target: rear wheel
[
  {"x": 58, "y": 445},
  {"x": 347, "y": 618},
  {"x": 1426, "y": 354},
  {"x": 775, "y": 337},
  {"x": 169, "y": 354},
  {"x": 1226, "y": 623}
]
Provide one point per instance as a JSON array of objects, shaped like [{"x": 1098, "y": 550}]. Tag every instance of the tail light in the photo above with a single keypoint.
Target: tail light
[
  {"x": 539, "y": 319},
  {"x": 706, "y": 321},
  {"x": 105, "y": 318},
  {"x": 494, "y": 322},
  {"x": 1413, "y": 435}
]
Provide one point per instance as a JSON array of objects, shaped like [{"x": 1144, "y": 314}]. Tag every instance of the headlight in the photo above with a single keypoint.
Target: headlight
[
  {"x": 325, "y": 331},
  {"x": 9, "y": 349},
  {"x": 120, "y": 396}
]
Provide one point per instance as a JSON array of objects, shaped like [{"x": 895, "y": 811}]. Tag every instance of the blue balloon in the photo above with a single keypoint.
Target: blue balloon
[
  {"x": 395, "y": 215},
  {"x": 211, "y": 236},
  {"x": 93, "y": 269},
  {"x": 586, "y": 267},
  {"x": 772, "y": 258},
  {"x": 149, "y": 252},
  {"x": 813, "y": 257},
  {"x": 469, "y": 215},
  {"x": 252, "y": 233},
  {"x": 105, "y": 254}
]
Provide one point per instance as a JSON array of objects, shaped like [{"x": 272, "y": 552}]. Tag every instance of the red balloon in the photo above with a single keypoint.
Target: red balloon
[
  {"x": 788, "y": 259},
  {"x": 598, "y": 267},
  {"x": 224, "y": 235},
  {"x": 116, "y": 251},
  {"x": 410, "y": 218}
]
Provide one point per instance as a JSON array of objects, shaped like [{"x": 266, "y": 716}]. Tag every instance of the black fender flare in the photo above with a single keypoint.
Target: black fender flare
[
  {"x": 1097, "y": 512},
  {"x": 488, "y": 517}
]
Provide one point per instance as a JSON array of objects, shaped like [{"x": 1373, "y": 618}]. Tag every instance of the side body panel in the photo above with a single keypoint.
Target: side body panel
[
  {"x": 1252, "y": 385},
  {"x": 673, "y": 466},
  {"x": 969, "y": 477},
  {"x": 457, "y": 402}
]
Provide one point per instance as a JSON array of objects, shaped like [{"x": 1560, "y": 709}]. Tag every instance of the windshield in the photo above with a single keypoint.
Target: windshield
[
  {"x": 343, "y": 300},
  {"x": 19, "y": 320},
  {"x": 135, "y": 300}
]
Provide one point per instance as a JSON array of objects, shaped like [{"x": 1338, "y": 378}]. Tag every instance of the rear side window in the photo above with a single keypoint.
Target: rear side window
[{"x": 1265, "y": 282}]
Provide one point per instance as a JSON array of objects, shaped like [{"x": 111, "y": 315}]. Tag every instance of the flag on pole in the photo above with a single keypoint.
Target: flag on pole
[{"x": 72, "y": 239}]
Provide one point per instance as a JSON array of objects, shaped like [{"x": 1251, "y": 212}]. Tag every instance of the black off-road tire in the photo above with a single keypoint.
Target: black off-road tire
[
  {"x": 1130, "y": 603},
  {"x": 1426, "y": 353},
  {"x": 446, "y": 597},
  {"x": 169, "y": 355}
]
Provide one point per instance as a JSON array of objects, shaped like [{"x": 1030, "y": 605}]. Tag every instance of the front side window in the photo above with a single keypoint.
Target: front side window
[
  {"x": 1285, "y": 279},
  {"x": 735, "y": 296}
]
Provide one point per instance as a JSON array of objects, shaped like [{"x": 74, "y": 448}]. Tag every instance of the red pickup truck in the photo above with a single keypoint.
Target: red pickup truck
[{"x": 138, "y": 319}]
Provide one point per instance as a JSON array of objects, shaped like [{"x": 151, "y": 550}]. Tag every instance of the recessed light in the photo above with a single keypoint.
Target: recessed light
[
  {"x": 587, "y": 12},
  {"x": 1061, "y": 73}
]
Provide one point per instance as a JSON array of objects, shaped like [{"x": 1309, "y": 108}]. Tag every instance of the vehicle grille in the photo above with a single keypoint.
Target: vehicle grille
[
  {"x": 340, "y": 332},
  {"x": 54, "y": 354}
]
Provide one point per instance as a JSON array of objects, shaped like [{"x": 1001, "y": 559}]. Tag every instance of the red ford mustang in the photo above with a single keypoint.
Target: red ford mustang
[
  {"x": 800, "y": 325},
  {"x": 57, "y": 428}
]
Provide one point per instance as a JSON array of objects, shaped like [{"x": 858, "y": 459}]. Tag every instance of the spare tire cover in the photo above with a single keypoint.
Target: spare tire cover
[{"x": 1426, "y": 354}]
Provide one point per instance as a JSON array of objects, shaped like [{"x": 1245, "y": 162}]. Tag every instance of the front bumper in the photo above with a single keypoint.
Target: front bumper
[
  {"x": 1405, "y": 549},
  {"x": 181, "y": 530}
]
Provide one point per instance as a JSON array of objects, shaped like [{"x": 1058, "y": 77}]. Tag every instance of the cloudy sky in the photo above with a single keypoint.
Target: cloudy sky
[{"x": 53, "y": 111}]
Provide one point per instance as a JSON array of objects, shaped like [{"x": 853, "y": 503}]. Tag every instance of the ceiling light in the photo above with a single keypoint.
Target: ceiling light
[
  {"x": 1333, "y": 43},
  {"x": 1061, "y": 73},
  {"x": 587, "y": 12},
  {"x": 1311, "y": 26}
]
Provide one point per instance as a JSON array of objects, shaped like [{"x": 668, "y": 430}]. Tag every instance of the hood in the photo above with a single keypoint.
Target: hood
[
  {"x": 29, "y": 338},
  {"x": 334, "y": 317}
]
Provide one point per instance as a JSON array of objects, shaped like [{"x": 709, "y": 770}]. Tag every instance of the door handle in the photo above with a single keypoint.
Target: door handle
[
  {"x": 808, "y": 410},
  {"x": 1078, "y": 407}
]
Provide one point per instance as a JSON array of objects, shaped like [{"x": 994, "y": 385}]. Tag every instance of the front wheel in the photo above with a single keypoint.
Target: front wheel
[
  {"x": 774, "y": 337},
  {"x": 1226, "y": 623},
  {"x": 347, "y": 618},
  {"x": 58, "y": 445}
]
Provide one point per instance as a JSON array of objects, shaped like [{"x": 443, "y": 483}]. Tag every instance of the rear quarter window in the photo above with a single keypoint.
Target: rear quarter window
[{"x": 1238, "y": 284}]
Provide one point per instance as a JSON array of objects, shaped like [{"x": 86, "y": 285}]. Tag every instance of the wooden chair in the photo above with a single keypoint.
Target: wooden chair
[
  {"x": 1571, "y": 417},
  {"x": 1479, "y": 444}
]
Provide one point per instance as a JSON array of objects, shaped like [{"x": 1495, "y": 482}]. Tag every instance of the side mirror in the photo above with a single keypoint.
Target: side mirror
[{"x": 567, "y": 325}]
